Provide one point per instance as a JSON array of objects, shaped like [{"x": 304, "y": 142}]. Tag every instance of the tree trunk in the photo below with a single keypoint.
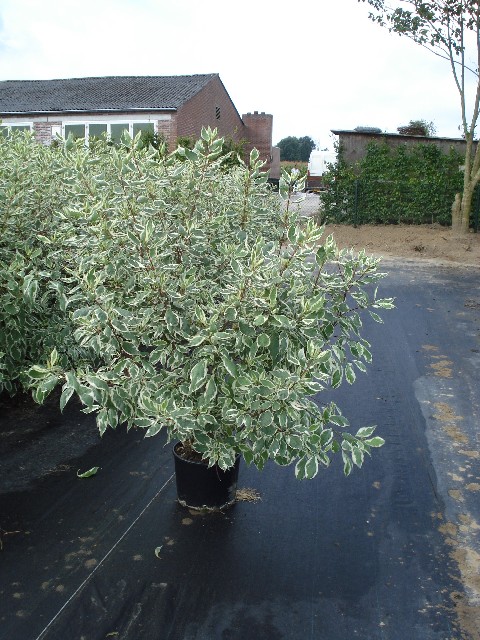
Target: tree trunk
[
  {"x": 466, "y": 208},
  {"x": 457, "y": 213},
  {"x": 462, "y": 204},
  {"x": 461, "y": 208}
]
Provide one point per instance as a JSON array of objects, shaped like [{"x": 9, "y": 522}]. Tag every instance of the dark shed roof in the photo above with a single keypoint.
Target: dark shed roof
[
  {"x": 386, "y": 134},
  {"x": 116, "y": 93}
]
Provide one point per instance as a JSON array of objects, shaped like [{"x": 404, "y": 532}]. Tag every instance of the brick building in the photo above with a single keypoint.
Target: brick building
[{"x": 173, "y": 106}]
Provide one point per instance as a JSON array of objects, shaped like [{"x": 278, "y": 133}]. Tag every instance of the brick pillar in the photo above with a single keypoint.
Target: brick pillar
[
  {"x": 168, "y": 128},
  {"x": 43, "y": 131},
  {"x": 258, "y": 130}
]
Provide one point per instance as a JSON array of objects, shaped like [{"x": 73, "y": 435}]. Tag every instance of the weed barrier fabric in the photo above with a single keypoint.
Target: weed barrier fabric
[{"x": 377, "y": 555}]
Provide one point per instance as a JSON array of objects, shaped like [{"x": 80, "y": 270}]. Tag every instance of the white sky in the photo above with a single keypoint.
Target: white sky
[{"x": 315, "y": 66}]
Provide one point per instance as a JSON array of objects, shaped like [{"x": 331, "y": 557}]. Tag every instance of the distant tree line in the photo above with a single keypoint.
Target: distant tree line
[{"x": 296, "y": 149}]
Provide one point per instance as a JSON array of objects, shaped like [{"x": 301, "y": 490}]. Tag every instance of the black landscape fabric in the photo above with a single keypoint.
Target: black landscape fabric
[{"x": 377, "y": 556}]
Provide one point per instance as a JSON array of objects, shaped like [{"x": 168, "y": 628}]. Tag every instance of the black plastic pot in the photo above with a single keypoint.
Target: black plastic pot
[{"x": 201, "y": 487}]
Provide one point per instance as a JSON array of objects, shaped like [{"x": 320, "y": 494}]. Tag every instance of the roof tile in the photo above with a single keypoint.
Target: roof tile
[{"x": 114, "y": 93}]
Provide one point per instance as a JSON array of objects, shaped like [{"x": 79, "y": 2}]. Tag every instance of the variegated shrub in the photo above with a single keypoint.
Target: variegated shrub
[{"x": 200, "y": 304}]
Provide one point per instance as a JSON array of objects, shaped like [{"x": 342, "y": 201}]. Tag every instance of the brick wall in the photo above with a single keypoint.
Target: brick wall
[
  {"x": 43, "y": 130},
  {"x": 210, "y": 107}
]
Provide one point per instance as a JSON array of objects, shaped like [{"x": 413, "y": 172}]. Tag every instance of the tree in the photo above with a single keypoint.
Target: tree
[
  {"x": 296, "y": 149},
  {"x": 307, "y": 145},
  {"x": 418, "y": 128},
  {"x": 450, "y": 29}
]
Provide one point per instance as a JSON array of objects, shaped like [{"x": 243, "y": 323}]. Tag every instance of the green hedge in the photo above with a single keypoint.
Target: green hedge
[{"x": 411, "y": 185}]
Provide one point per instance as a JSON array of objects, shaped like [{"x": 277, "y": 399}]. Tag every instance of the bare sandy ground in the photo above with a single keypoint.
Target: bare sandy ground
[
  {"x": 419, "y": 242},
  {"x": 422, "y": 242}
]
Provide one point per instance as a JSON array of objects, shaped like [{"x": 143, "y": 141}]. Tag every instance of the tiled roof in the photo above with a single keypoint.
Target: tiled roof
[{"x": 117, "y": 93}]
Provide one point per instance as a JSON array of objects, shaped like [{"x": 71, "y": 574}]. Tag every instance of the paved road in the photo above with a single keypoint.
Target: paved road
[
  {"x": 308, "y": 203},
  {"x": 391, "y": 553}
]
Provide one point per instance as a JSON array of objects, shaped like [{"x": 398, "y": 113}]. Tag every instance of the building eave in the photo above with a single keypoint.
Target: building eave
[{"x": 88, "y": 111}]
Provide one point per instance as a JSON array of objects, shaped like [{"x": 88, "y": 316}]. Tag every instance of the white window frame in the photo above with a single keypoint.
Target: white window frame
[
  {"x": 15, "y": 125},
  {"x": 87, "y": 123}
]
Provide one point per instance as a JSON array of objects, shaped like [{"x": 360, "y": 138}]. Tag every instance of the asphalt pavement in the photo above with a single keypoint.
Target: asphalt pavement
[{"x": 390, "y": 553}]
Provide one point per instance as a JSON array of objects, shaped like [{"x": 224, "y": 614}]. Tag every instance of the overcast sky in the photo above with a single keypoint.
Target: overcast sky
[{"x": 315, "y": 65}]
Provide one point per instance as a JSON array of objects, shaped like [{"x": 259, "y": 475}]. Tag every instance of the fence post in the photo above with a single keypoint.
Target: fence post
[
  {"x": 476, "y": 209},
  {"x": 355, "y": 205}
]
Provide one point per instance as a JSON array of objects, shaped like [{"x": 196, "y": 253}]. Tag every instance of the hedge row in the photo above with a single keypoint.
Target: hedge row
[{"x": 411, "y": 185}]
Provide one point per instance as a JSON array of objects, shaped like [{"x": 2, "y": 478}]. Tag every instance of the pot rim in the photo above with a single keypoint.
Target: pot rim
[{"x": 199, "y": 462}]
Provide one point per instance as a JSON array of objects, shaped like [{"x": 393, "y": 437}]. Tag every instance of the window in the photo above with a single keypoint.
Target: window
[
  {"x": 97, "y": 130},
  {"x": 217, "y": 113},
  {"x": 116, "y": 131},
  {"x": 144, "y": 127},
  {"x": 112, "y": 130},
  {"x": 75, "y": 130},
  {"x": 6, "y": 128}
]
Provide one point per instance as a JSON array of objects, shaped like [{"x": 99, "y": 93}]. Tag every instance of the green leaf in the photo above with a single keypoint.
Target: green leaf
[
  {"x": 266, "y": 419},
  {"x": 321, "y": 256},
  {"x": 44, "y": 388},
  {"x": 311, "y": 468},
  {"x": 37, "y": 373},
  {"x": 347, "y": 464},
  {"x": 350, "y": 374},
  {"x": 72, "y": 380},
  {"x": 300, "y": 472},
  {"x": 326, "y": 437},
  {"x": 198, "y": 376},
  {"x": 97, "y": 382},
  {"x": 130, "y": 348},
  {"x": 281, "y": 320},
  {"x": 246, "y": 329},
  {"x": 336, "y": 378},
  {"x": 375, "y": 442},
  {"x": 88, "y": 474},
  {"x": 171, "y": 319},
  {"x": 102, "y": 420},
  {"x": 153, "y": 430},
  {"x": 230, "y": 366},
  {"x": 306, "y": 468},
  {"x": 263, "y": 340},
  {"x": 65, "y": 397},
  {"x": 101, "y": 315},
  {"x": 210, "y": 390},
  {"x": 365, "y": 432},
  {"x": 247, "y": 456}
]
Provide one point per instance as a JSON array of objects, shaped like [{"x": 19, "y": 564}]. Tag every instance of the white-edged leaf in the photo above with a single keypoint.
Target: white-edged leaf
[
  {"x": 375, "y": 442},
  {"x": 210, "y": 390},
  {"x": 230, "y": 366},
  {"x": 198, "y": 375},
  {"x": 65, "y": 397},
  {"x": 88, "y": 474},
  {"x": 365, "y": 432}
]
